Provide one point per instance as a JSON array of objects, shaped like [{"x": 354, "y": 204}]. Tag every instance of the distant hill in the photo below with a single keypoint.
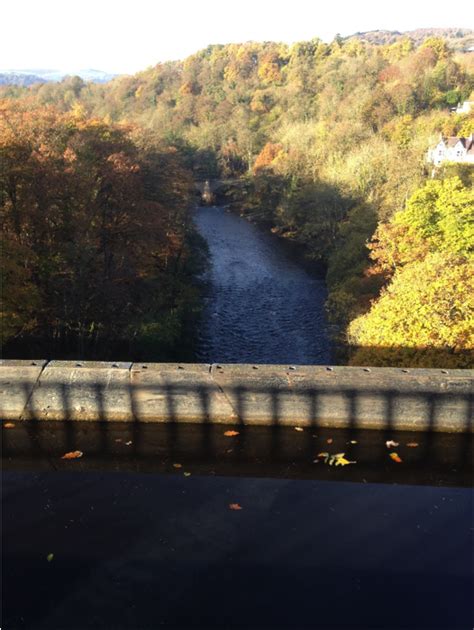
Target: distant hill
[
  {"x": 458, "y": 38},
  {"x": 14, "y": 78},
  {"x": 33, "y": 75}
]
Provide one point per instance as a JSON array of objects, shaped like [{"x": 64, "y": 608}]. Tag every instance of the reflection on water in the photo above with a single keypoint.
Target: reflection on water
[
  {"x": 261, "y": 306},
  {"x": 438, "y": 459},
  {"x": 367, "y": 545}
]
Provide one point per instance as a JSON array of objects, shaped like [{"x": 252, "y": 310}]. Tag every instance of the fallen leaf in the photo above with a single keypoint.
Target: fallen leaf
[
  {"x": 177, "y": 465},
  {"x": 49, "y": 557},
  {"x": 72, "y": 455},
  {"x": 187, "y": 474},
  {"x": 234, "y": 506},
  {"x": 330, "y": 441},
  {"x": 9, "y": 425},
  {"x": 391, "y": 444},
  {"x": 412, "y": 444},
  {"x": 338, "y": 459},
  {"x": 299, "y": 429},
  {"x": 396, "y": 458},
  {"x": 231, "y": 433}
]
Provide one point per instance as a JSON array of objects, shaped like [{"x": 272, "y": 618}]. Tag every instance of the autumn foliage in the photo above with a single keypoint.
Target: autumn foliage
[
  {"x": 428, "y": 307},
  {"x": 95, "y": 227},
  {"x": 329, "y": 141}
]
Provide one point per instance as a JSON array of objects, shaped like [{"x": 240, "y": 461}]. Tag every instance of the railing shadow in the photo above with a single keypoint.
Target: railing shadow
[{"x": 270, "y": 449}]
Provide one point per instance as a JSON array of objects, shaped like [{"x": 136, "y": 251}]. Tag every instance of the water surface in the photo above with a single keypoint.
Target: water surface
[{"x": 261, "y": 307}]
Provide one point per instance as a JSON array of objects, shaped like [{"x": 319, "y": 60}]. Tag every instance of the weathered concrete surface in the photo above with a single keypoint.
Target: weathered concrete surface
[
  {"x": 178, "y": 392},
  {"x": 375, "y": 398},
  {"x": 406, "y": 399},
  {"x": 17, "y": 381},
  {"x": 88, "y": 390}
]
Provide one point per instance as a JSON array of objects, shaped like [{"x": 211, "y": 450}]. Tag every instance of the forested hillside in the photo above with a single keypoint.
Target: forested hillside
[
  {"x": 97, "y": 249},
  {"x": 330, "y": 141}
]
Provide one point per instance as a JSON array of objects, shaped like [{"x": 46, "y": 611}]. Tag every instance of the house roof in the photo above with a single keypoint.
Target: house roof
[{"x": 453, "y": 140}]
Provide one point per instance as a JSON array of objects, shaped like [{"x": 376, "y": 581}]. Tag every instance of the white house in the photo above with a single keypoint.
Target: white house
[
  {"x": 465, "y": 108},
  {"x": 453, "y": 149}
]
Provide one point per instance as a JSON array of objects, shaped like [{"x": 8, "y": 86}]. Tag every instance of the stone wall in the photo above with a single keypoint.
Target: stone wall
[{"x": 328, "y": 396}]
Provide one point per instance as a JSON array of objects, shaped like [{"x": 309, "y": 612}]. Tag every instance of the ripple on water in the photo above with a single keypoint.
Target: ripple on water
[{"x": 261, "y": 306}]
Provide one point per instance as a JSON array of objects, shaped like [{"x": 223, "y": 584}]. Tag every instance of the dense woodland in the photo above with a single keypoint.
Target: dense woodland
[
  {"x": 328, "y": 143},
  {"x": 99, "y": 254}
]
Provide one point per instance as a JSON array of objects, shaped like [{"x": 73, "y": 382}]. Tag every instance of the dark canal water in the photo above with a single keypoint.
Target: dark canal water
[
  {"x": 142, "y": 532},
  {"x": 261, "y": 307}
]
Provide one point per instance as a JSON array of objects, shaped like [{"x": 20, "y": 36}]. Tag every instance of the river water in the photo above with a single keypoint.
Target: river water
[{"x": 261, "y": 306}]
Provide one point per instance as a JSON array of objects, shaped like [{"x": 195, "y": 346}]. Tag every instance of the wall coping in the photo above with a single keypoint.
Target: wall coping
[{"x": 318, "y": 395}]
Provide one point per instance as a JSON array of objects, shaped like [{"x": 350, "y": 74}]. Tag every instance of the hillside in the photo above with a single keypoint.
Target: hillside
[
  {"x": 457, "y": 38},
  {"x": 29, "y": 77},
  {"x": 329, "y": 142},
  {"x": 15, "y": 78}
]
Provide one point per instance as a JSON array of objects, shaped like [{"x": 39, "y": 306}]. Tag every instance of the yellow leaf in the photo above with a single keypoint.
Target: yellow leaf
[
  {"x": 231, "y": 433},
  {"x": 396, "y": 458},
  {"x": 340, "y": 460}
]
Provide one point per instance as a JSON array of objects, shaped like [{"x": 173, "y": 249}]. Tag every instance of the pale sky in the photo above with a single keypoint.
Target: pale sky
[{"x": 128, "y": 35}]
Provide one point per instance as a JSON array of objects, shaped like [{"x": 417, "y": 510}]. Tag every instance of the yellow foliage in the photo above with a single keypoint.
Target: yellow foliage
[{"x": 429, "y": 304}]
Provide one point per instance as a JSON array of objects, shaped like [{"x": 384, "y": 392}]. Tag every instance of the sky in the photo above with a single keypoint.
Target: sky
[{"x": 125, "y": 36}]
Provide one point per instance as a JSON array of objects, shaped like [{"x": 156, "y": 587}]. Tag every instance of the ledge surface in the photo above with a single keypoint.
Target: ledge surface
[{"x": 330, "y": 396}]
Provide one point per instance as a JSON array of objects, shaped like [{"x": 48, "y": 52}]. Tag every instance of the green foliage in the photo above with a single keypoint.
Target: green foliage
[
  {"x": 438, "y": 217},
  {"x": 329, "y": 142},
  {"x": 427, "y": 308}
]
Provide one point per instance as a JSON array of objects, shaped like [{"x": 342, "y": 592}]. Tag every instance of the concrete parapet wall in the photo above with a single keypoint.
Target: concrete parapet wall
[{"x": 365, "y": 398}]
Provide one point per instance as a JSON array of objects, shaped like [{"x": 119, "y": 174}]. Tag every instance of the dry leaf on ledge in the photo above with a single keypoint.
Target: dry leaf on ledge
[{"x": 72, "y": 455}]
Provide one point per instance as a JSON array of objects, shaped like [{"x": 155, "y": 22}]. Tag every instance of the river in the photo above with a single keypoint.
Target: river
[{"x": 261, "y": 306}]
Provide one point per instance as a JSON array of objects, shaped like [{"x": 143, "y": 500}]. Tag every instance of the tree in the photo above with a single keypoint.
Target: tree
[
  {"x": 424, "y": 317},
  {"x": 438, "y": 217}
]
